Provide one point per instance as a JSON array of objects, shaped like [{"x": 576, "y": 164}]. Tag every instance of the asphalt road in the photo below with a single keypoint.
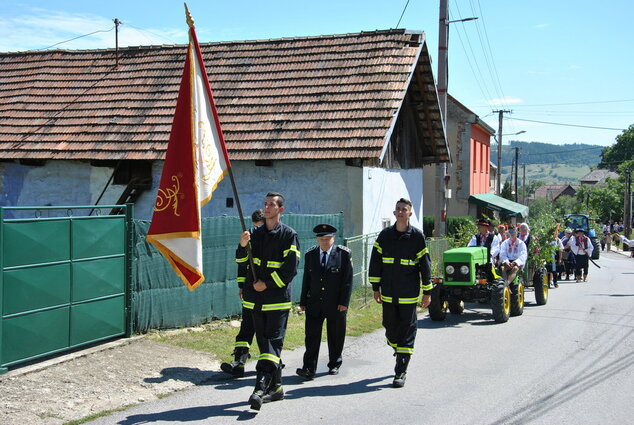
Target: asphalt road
[{"x": 568, "y": 362}]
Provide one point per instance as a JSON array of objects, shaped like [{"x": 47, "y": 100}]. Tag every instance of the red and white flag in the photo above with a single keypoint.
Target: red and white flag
[{"x": 195, "y": 162}]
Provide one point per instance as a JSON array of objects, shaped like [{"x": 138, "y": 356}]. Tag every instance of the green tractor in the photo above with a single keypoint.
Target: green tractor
[
  {"x": 535, "y": 276},
  {"x": 468, "y": 277}
]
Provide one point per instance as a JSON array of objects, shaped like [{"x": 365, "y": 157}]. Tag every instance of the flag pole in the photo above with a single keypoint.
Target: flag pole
[{"x": 190, "y": 23}]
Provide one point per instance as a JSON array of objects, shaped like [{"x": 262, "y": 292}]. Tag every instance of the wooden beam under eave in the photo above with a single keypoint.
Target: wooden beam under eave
[{"x": 430, "y": 127}]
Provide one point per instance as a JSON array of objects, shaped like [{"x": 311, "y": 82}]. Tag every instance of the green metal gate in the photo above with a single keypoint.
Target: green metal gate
[{"x": 64, "y": 281}]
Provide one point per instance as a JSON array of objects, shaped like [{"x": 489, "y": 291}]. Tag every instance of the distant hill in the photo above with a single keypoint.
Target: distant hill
[{"x": 552, "y": 164}]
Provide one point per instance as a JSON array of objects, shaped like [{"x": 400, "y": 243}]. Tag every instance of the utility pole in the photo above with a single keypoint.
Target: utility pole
[
  {"x": 117, "y": 22},
  {"x": 627, "y": 205},
  {"x": 517, "y": 156},
  {"x": 440, "y": 220},
  {"x": 524, "y": 184},
  {"x": 500, "y": 112}
]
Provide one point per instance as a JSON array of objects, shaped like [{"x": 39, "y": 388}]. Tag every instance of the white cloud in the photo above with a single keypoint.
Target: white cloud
[
  {"x": 505, "y": 101},
  {"x": 41, "y": 28}
]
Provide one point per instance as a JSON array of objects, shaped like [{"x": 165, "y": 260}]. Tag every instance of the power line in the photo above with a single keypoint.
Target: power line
[
  {"x": 569, "y": 125},
  {"x": 402, "y": 13},
  {"x": 574, "y": 103},
  {"x": 566, "y": 151},
  {"x": 80, "y": 36}
]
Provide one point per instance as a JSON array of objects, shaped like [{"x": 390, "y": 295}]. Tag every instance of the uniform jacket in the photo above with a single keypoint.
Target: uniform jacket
[
  {"x": 517, "y": 251},
  {"x": 399, "y": 263},
  {"x": 324, "y": 290},
  {"x": 275, "y": 256}
]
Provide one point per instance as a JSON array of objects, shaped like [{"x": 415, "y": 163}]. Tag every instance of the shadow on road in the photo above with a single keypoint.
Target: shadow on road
[
  {"x": 191, "y": 414},
  {"x": 188, "y": 374},
  {"x": 345, "y": 388}
]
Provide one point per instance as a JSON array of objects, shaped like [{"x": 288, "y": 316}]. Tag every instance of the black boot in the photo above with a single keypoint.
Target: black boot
[
  {"x": 400, "y": 370},
  {"x": 236, "y": 367},
  {"x": 262, "y": 383},
  {"x": 275, "y": 391}
]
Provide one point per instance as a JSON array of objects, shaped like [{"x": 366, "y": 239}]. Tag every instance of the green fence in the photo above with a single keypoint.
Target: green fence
[
  {"x": 160, "y": 300},
  {"x": 64, "y": 280}
]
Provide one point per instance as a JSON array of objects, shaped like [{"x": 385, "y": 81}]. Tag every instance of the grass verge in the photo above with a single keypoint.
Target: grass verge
[{"x": 217, "y": 337}]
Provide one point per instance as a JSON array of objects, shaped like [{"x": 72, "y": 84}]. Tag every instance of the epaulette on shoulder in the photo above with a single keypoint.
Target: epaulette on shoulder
[
  {"x": 312, "y": 248},
  {"x": 344, "y": 248}
]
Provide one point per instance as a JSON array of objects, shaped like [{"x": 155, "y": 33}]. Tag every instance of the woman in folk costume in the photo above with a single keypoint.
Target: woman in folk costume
[
  {"x": 568, "y": 256},
  {"x": 582, "y": 247}
]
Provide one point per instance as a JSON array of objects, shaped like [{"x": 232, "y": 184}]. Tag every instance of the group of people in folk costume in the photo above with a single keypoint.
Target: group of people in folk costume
[{"x": 510, "y": 246}]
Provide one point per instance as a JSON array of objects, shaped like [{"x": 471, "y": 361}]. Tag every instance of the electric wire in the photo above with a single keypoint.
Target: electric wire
[
  {"x": 566, "y": 125},
  {"x": 402, "y": 13},
  {"x": 75, "y": 38}
]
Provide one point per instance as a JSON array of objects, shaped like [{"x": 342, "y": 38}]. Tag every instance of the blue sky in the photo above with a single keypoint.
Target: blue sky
[{"x": 558, "y": 61}]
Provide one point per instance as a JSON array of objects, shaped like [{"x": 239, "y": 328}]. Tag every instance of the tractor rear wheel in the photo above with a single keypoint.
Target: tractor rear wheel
[
  {"x": 501, "y": 301},
  {"x": 517, "y": 298},
  {"x": 540, "y": 283}
]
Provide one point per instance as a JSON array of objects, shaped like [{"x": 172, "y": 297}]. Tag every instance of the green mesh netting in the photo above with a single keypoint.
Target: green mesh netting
[{"x": 159, "y": 298}]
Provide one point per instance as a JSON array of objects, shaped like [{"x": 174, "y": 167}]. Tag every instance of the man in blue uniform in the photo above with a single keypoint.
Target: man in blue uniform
[
  {"x": 326, "y": 290},
  {"x": 275, "y": 255},
  {"x": 247, "y": 331},
  {"x": 399, "y": 266}
]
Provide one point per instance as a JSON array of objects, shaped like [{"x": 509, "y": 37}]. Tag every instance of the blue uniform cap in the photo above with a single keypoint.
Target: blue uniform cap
[{"x": 324, "y": 230}]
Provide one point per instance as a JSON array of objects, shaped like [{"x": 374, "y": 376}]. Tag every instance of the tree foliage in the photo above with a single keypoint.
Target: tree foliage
[{"x": 621, "y": 151}]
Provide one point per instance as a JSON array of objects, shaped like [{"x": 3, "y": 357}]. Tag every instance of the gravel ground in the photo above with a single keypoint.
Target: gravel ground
[{"x": 106, "y": 377}]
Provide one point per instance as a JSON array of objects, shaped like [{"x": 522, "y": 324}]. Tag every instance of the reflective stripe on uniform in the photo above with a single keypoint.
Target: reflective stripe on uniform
[
  {"x": 391, "y": 344},
  {"x": 422, "y": 252},
  {"x": 388, "y": 260},
  {"x": 408, "y": 300},
  {"x": 270, "y": 357},
  {"x": 257, "y": 261},
  {"x": 378, "y": 247},
  {"x": 241, "y": 279},
  {"x": 248, "y": 305},
  {"x": 404, "y": 350},
  {"x": 242, "y": 259},
  {"x": 386, "y": 299},
  {"x": 428, "y": 287},
  {"x": 294, "y": 249},
  {"x": 277, "y": 279},
  {"x": 373, "y": 279},
  {"x": 242, "y": 344},
  {"x": 278, "y": 306},
  {"x": 406, "y": 262},
  {"x": 274, "y": 264}
]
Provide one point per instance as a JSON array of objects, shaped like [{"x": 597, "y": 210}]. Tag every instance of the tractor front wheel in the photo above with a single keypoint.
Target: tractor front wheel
[
  {"x": 438, "y": 305},
  {"x": 517, "y": 298}
]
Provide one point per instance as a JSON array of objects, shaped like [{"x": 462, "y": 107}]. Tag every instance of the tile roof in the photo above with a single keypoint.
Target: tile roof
[
  {"x": 598, "y": 176},
  {"x": 293, "y": 98}
]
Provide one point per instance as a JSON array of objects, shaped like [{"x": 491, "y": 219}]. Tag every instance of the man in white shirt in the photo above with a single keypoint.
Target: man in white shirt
[
  {"x": 581, "y": 246},
  {"x": 513, "y": 255}
]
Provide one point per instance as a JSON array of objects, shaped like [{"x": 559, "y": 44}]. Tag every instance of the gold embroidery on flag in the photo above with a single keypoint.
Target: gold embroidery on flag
[
  {"x": 209, "y": 160},
  {"x": 168, "y": 196}
]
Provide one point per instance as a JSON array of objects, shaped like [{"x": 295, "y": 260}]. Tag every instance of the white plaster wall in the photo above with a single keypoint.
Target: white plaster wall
[
  {"x": 383, "y": 188},
  {"x": 57, "y": 183},
  {"x": 309, "y": 187}
]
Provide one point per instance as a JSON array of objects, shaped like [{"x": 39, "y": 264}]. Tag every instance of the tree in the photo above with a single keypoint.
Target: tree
[
  {"x": 622, "y": 150},
  {"x": 507, "y": 191}
]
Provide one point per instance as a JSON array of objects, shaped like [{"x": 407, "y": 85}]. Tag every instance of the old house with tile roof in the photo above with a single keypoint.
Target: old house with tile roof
[
  {"x": 552, "y": 192},
  {"x": 335, "y": 123},
  {"x": 598, "y": 177}
]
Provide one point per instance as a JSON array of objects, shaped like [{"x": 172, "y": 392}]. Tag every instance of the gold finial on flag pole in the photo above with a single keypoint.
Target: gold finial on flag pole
[{"x": 190, "y": 20}]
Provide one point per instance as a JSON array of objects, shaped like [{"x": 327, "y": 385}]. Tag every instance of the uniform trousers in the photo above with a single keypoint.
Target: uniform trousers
[
  {"x": 270, "y": 328},
  {"x": 247, "y": 329},
  {"x": 336, "y": 335},
  {"x": 399, "y": 321}
]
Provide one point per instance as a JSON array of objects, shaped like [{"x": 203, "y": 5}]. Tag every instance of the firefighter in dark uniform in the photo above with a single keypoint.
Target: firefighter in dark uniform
[
  {"x": 247, "y": 331},
  {"x": 399, "y": 266},
  {"x": 326, "y": 290},
  {"x": 275, "y": 254}
]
